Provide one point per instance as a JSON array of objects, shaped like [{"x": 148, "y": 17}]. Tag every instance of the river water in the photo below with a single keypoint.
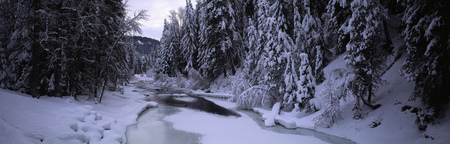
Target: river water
[{"x": 152, "y": 129}]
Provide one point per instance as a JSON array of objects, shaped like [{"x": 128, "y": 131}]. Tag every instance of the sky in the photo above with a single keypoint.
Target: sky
[{"x": 158, "y": 10}]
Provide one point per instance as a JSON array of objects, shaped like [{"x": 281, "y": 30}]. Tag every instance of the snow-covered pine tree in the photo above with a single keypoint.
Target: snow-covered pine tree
[
  {"x": 7, "y": 76},
  {"x": 218, "y": 54},
  {"x": 189, "y": 41},
  {"x": 290, "y": 81},
  {"x": 306, "y": 85},
  {"x": 366, "y": 52},
  {"x": 336, "y": 16},
  {"x": 240, "y": 21},
  {"x": 165, "y": 53},
  {"x": 23, "y": 44},
  {"x": 117, "y": 68},
  {"x": 428, "y": 45},
  {"x": 298, "y": 11},
  {"x": 252, "y": 55},
  {"x": 262, "y": 27},
  {"x": 331, "y": 96},
  {"x": 312, "y": 42},
  {"x": 277, "y": 49},
  {"x": 175, "y": 26},
  {"x": 57, "y": 49}
]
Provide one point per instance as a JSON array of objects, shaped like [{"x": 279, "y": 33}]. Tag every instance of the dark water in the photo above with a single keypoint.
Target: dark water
[
  {"x": 151, "y": 129},
  {"x": 198, "y": 103}
]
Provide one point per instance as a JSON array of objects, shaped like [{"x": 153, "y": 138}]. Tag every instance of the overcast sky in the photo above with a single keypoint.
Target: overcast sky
[{"x": 158, "y": 10}]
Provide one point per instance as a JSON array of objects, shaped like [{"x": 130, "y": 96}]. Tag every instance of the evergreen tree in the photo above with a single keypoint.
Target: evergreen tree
[
  {"x": 312, "y": 42},
  {"x": 252, "y": 54},
  {"x": 175, "y": 27},
  {"x": 306, "y": 85},
  {"x": 427, "y": 43},
  {"x": 336, "y": 17},
  {"x": 164, "y": 54},
  {"x": 7, "y": 73},
  {"x": 189, "y": 41},
  {"x": 65, "y": 47},
  {"x": 366, "y": 52},
  {"x": 277, "y": 50},
  {"x": 218, "y": 54}
]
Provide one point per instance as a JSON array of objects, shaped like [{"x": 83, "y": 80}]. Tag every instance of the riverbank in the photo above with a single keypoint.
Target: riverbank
[
  {"x": 217, "y": 129},
  {"x": 64, "y": 120}
]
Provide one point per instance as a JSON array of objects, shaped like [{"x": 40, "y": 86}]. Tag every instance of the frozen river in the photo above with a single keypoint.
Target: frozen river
[{"x": 181, "y": 125}]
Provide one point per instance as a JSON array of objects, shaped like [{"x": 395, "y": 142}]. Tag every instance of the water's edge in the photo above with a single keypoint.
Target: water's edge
[
  {"x": 152, "y": 129},
  {"x": 297, "y": 131},
  {"x": 157, "y": 130}
]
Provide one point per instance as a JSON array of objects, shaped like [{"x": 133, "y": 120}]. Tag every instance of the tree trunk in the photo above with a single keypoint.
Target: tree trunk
[
  {"x": 103, "y": 89},
  {"x": 369, "y": 98},
  {"x": 367, "y": 103},
  {"x": 388, "y": 46},
  {"x": 59, "y": 60},
  {"x": 35, "y": 69}
]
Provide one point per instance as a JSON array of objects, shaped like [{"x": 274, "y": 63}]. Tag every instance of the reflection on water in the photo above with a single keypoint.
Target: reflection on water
[{"x": 151, "y": 129}]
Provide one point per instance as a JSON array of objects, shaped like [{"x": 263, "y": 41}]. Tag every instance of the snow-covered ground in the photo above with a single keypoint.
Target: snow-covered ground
[
  {"x": 64, "y": 120},
  {"x": 216, "y": 129},
  {"x": 392, "y": 124}
]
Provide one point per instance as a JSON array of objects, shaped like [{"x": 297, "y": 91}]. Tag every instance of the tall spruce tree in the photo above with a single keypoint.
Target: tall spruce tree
[
  {"x": 367, "y": 55},
  {"x": 218, "y": 55},
  {"x": 189, "y": 43},
  {"x": 427, "y": 43},
  {"x": 336, "y": 17},
  {"x": 277, "y": 51}
]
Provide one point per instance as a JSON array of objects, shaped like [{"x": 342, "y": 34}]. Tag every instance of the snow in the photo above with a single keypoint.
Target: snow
[
  {"x": 64, "y": 120},
  {"x": 216, "y": 129},
  {"x": 395, "y": 126},
  {"x": 269, "y": 118}
]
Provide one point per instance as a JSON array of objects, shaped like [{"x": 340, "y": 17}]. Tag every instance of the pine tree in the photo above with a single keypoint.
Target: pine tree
[
  {"x": 189, "y": 41},
  {"x": 252, "y": 55},
  {"x": 427, "y": 43},
  {"x": 164, "y": 54},
  {"x": 306, "y": 85},
  {"x": 336, "y": 16},
  {"x": 61, "y": 47},
  {"x": 218, "y": 54},
  {"x": 366, "y": 52},
  {"x": 312, "y": 42},
  {"x": 277, "y": 50},
  {"x": 7, "y": 76},
  {"x": 175, "y": 27}
]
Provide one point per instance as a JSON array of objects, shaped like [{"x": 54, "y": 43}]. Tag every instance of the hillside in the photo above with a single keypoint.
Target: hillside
[{"x": 144, "y": 45}]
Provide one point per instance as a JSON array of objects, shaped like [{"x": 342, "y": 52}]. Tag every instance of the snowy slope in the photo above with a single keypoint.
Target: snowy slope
[
  {"x": 63, "y": 120},
  {"x": 392, "y": 124}
]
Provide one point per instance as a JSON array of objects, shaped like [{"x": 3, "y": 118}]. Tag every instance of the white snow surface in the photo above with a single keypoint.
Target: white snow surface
[
  {"x": 52, "y": 120},
  {"x": 216, "y": 129},
  {"x": 395, "y": 126}
]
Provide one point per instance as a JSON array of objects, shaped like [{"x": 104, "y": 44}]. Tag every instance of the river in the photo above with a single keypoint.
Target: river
[{"x": 156, "y": 126}]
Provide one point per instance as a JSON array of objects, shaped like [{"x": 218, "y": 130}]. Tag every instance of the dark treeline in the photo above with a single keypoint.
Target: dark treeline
[
  {"x": 65, "y": 47},
  {"x": 282, "y": 47},
  {"x": 146, "y": 52}
]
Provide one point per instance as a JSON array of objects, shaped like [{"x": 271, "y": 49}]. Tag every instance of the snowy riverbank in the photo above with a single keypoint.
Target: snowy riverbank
[{"x": 64, "y": 120}]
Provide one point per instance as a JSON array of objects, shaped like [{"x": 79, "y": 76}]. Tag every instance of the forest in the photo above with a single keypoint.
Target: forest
[
  {"x": 277, "y": 49},
  {"x": 66, "y": 48}
]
